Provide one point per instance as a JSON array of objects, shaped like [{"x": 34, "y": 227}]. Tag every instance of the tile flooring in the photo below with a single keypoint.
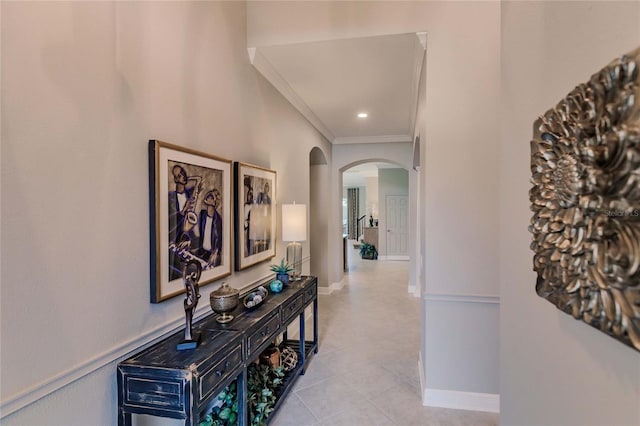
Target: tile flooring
[{"x": 366, "y": 370}]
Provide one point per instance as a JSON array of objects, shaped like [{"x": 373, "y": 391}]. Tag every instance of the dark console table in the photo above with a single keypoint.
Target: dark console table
[{"x": 162, "y": 381}]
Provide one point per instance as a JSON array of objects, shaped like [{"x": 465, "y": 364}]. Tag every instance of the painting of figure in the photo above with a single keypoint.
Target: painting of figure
[
  {"x": 255, "y": 215},
  {"x": 194, "y": 216},
  {"x": 191, "y": 222}
]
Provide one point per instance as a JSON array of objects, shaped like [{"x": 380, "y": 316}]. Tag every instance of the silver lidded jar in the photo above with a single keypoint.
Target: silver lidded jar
[{"x": 224, "y": 300}]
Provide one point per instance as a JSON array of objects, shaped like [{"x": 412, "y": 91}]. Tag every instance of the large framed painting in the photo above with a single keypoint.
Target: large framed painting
[
  {"x": 585, "y": 165},
  {"x": 255, "y": 200},
  {"x": 190, "y": 204}
]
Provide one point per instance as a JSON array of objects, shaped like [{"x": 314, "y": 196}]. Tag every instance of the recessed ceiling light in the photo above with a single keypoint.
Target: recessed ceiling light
[{"x": 362, "y": 115}]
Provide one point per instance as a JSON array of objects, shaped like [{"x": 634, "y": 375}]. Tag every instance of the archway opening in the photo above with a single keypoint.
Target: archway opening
[{"x": 375, "y": 210}]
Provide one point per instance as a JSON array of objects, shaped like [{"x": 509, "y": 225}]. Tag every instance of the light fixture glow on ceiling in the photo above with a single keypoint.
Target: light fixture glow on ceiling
[{"x": 362, "y": 115}]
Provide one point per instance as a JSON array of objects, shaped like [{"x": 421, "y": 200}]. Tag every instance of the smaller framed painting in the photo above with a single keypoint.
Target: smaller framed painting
[
  {"x": 190, "y": 203},
  {"x": 255, "y": 200}
]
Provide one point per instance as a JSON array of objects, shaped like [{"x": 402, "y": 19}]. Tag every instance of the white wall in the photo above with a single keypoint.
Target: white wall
[
  {"x": 459, "y": 175},
  {"x": 84, "y": 86},
  {"x": 553, "y": 369}
]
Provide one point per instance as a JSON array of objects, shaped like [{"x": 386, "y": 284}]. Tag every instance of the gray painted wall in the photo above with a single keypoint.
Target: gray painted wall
[
  {"x": 84, "y": 86},
  {"x": 320, "y": 176}
]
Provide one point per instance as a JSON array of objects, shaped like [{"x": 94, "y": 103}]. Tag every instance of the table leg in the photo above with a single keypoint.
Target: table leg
[
  {"x": 124, "y": 419},
  {"x": 302, "y": 348},
  {"x": 315, "y": 325}
]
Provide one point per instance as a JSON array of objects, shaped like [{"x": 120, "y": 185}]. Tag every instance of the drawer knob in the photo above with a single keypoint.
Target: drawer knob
[{"x": 218, "y": 373}]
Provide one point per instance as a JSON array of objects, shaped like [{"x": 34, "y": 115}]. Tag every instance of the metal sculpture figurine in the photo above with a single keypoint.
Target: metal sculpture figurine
[
  {"x": 585, "y": 165},
  {"x": 191, "y": 274}
]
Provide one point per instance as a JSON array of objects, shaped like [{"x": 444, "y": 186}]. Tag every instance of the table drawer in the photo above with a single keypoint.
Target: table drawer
[
  {"x": 310, "y": 292},
  {"x": 291, "y": 308},
  {"x": 165, "y": 394},
  {"x": 263, "y": 334},
  {"x": 220, "y": 371}
]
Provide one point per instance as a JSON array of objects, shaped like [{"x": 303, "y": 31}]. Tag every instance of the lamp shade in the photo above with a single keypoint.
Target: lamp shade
[{"x": 294, "y": 222}]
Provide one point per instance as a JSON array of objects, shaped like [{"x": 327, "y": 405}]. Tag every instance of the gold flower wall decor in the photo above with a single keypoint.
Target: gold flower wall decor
[{"x": 585, "y": 166}]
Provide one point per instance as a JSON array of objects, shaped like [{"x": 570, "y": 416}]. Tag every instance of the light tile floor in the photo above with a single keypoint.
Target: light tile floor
[{"x": 366, "y": 370}]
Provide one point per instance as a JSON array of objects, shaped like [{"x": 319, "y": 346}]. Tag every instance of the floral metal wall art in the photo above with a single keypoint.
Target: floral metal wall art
[{"x": 585, "y": 165}]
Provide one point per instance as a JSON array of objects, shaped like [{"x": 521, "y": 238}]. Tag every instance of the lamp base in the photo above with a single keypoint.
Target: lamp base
[{"x": 294, "y": 258}]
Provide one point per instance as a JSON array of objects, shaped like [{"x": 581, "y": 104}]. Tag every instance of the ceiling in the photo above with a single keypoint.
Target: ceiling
[{"x": 330, "y": 82}]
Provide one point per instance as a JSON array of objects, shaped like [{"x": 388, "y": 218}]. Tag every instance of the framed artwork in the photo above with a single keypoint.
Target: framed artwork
[
  {"x": 190, "y": 204},
  {"x": 255, "y": 200},
  {"x": 585, "y": 198}
]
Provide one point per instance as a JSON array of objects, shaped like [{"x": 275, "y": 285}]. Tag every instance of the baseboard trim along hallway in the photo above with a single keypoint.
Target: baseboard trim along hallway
[
  {"x": 331, "y": 288},
  {"x": 488, "y": 402}
]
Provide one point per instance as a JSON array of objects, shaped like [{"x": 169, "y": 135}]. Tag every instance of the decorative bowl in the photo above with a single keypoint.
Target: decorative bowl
[
  {"x": 255, "y": 298},
  {"x": 224, "y": 300}
]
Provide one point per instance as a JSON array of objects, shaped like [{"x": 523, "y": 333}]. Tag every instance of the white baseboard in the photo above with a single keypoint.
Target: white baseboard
[
  {"x": 404, "y": 258},
  {"x": 461, "y": 400},
  {"x": 325, "y": 291}
]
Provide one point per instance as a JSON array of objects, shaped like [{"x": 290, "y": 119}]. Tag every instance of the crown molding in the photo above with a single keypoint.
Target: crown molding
[
  {"x": 373, "y": 139},
  {"x": 267, "y": 70}
]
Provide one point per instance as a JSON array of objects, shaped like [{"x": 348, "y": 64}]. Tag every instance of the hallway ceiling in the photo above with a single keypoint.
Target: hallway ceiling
[{"x": 330, "y": 82}]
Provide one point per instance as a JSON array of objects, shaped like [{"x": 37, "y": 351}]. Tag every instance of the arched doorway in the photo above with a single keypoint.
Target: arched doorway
[
  {"x": 398, "y": 156},
  {"x": 376, "y": 207}
]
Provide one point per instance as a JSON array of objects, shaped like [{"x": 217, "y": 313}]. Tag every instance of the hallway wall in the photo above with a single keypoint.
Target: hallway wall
[
  {"x": 84, "y": 86},
  {"x": 553, "y": 369},
  {"x": 320, "y": 175}
]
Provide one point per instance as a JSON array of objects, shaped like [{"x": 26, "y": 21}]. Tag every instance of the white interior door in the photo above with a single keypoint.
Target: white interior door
[{"x": 397, "y": 225}]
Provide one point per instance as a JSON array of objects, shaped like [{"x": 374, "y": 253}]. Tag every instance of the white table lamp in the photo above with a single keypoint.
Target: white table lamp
[{"x": 294, "y": 229}]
